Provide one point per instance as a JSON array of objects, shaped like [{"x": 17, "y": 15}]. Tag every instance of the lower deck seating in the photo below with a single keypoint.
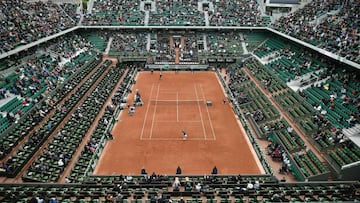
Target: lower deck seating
[
  {"x": 345, "y": 155},
  {"x": 36, "y": 139},
  {"x": 74, "y": 130},
  {"x": 123, "y": 189}
]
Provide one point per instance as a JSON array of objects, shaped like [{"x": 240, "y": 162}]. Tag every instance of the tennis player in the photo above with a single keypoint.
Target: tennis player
[{"x": 184, "y": 134}]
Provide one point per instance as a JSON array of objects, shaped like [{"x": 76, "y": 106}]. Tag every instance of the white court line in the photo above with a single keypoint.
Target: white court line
[
  {"x": 177, "y": 106},
  {"x": 146, "y": 113},
  {"x": 153, "y": 119},
  {"x": 200, "y": 113},
  {"x": 207, "y": 110}
]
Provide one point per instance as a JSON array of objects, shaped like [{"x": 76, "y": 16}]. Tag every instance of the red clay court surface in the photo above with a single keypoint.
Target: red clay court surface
[{"x": 152, "y": 138}]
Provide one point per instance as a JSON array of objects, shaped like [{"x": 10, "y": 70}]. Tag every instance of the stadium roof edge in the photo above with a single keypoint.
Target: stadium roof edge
[
  {"x": 27, "y": 46},
  {"x": 322, "y": 51}
]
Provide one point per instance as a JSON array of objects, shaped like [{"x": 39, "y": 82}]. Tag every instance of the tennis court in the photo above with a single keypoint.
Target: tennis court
[
  {"x": 169, "y": 111},
  {"x": 152, "y": 138}
]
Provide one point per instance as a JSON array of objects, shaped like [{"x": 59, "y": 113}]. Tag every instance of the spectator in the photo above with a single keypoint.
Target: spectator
[
  {"x": 214, "y": 170},
  {"x": 178, "y": 170}
]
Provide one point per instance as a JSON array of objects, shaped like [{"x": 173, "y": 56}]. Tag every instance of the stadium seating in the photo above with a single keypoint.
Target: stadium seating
[
  {"x": 29, "y": 120},
  {"x": 310, "y": 164},
  {"x": 271, "y": 83},
  {"x": 86, "y": 162},
  {"x": 37, "y": 138},
  {"x": 224, "y": 44},
  {"x": 270, "y": 46},
  {"x": 227, "y": 13},
  {"x": 129, "y": 44},
  {"x": 21, "y": 27},
  {"x": 339, "y": 109},
  {"x": 304, "y": 116},
  {"x": 295, "y": 105},
  {"x": 224, "y": 188},
  {"x": 345, "y": 155},
  {"x": 119, "y": 12},
  {"x": 328, "y": 101},
  {"x": 98, "y": 39},
  {"x": 254, "y": 39},
  {"x": 330, "y": 31},
  {"x": 176, "y": 13},
  {"x": 71, "y": 134}
]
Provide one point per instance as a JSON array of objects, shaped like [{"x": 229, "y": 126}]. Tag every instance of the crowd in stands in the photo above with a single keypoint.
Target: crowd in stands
[
  {"x": 190, "y": 50},
  {"x": 40, "y": 73},
  {"x": 24, "y": 22},
  {"x": 196, "y": 186},
  {"x": 69, "y": 46},
  {"x": 31, "y": 79},
  {"x": 326, "y": 85},
  {"x": 290, "y": 62},
  {"x": 164, "y": 51},
  {"x": 224, "y": 44},
  {"x": 71, "y": 10},
  {"x": 234, "y": 188},
  {"x": 101, "y": 133},
  {"x": 235, "y": 79},
  {"x": 341, "y": 90},
  {"x": 340, "y": 33},
  {"x": 176, "y": 13},
  {"x": 337, "y": 33},
  {"x": 236, "y": 13},
  {"x": 126, "y": 43},
  {"x": 300, "y": 63},
  {"x": 73, "y": 132},
  {"x": 258, "y": 115},
  {"x": 278, "y": 153},
  {"x": 38, "y": 80},
  {"x": 339, "y": 82},
  {"x": 118, "y": 12},
  {"x": 184, "y": 12}
]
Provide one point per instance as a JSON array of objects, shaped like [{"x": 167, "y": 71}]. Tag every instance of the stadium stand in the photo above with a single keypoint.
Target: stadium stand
[
  {"x": 86, "y": 162},
  {"x": 123, "y": 188},
  {"x": 98, "y": 39},
  {"x": 254, "y": 39},
  {"x": 129, "y": 44},
  {"x": 36, "y": 138},
  {"x": 43, "y": 85},
  {"x": 175, "y": 13},
  {"x": 21, "y": 27},
  {"x": 119, "y": 12},
  {"x": 331, "y": 25},
  {"x": 227, "y": 13},
  {"x": 38, "y": 75},
  {"x": 50, "y": 164},
  {"x": 224, "y": 44}
]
